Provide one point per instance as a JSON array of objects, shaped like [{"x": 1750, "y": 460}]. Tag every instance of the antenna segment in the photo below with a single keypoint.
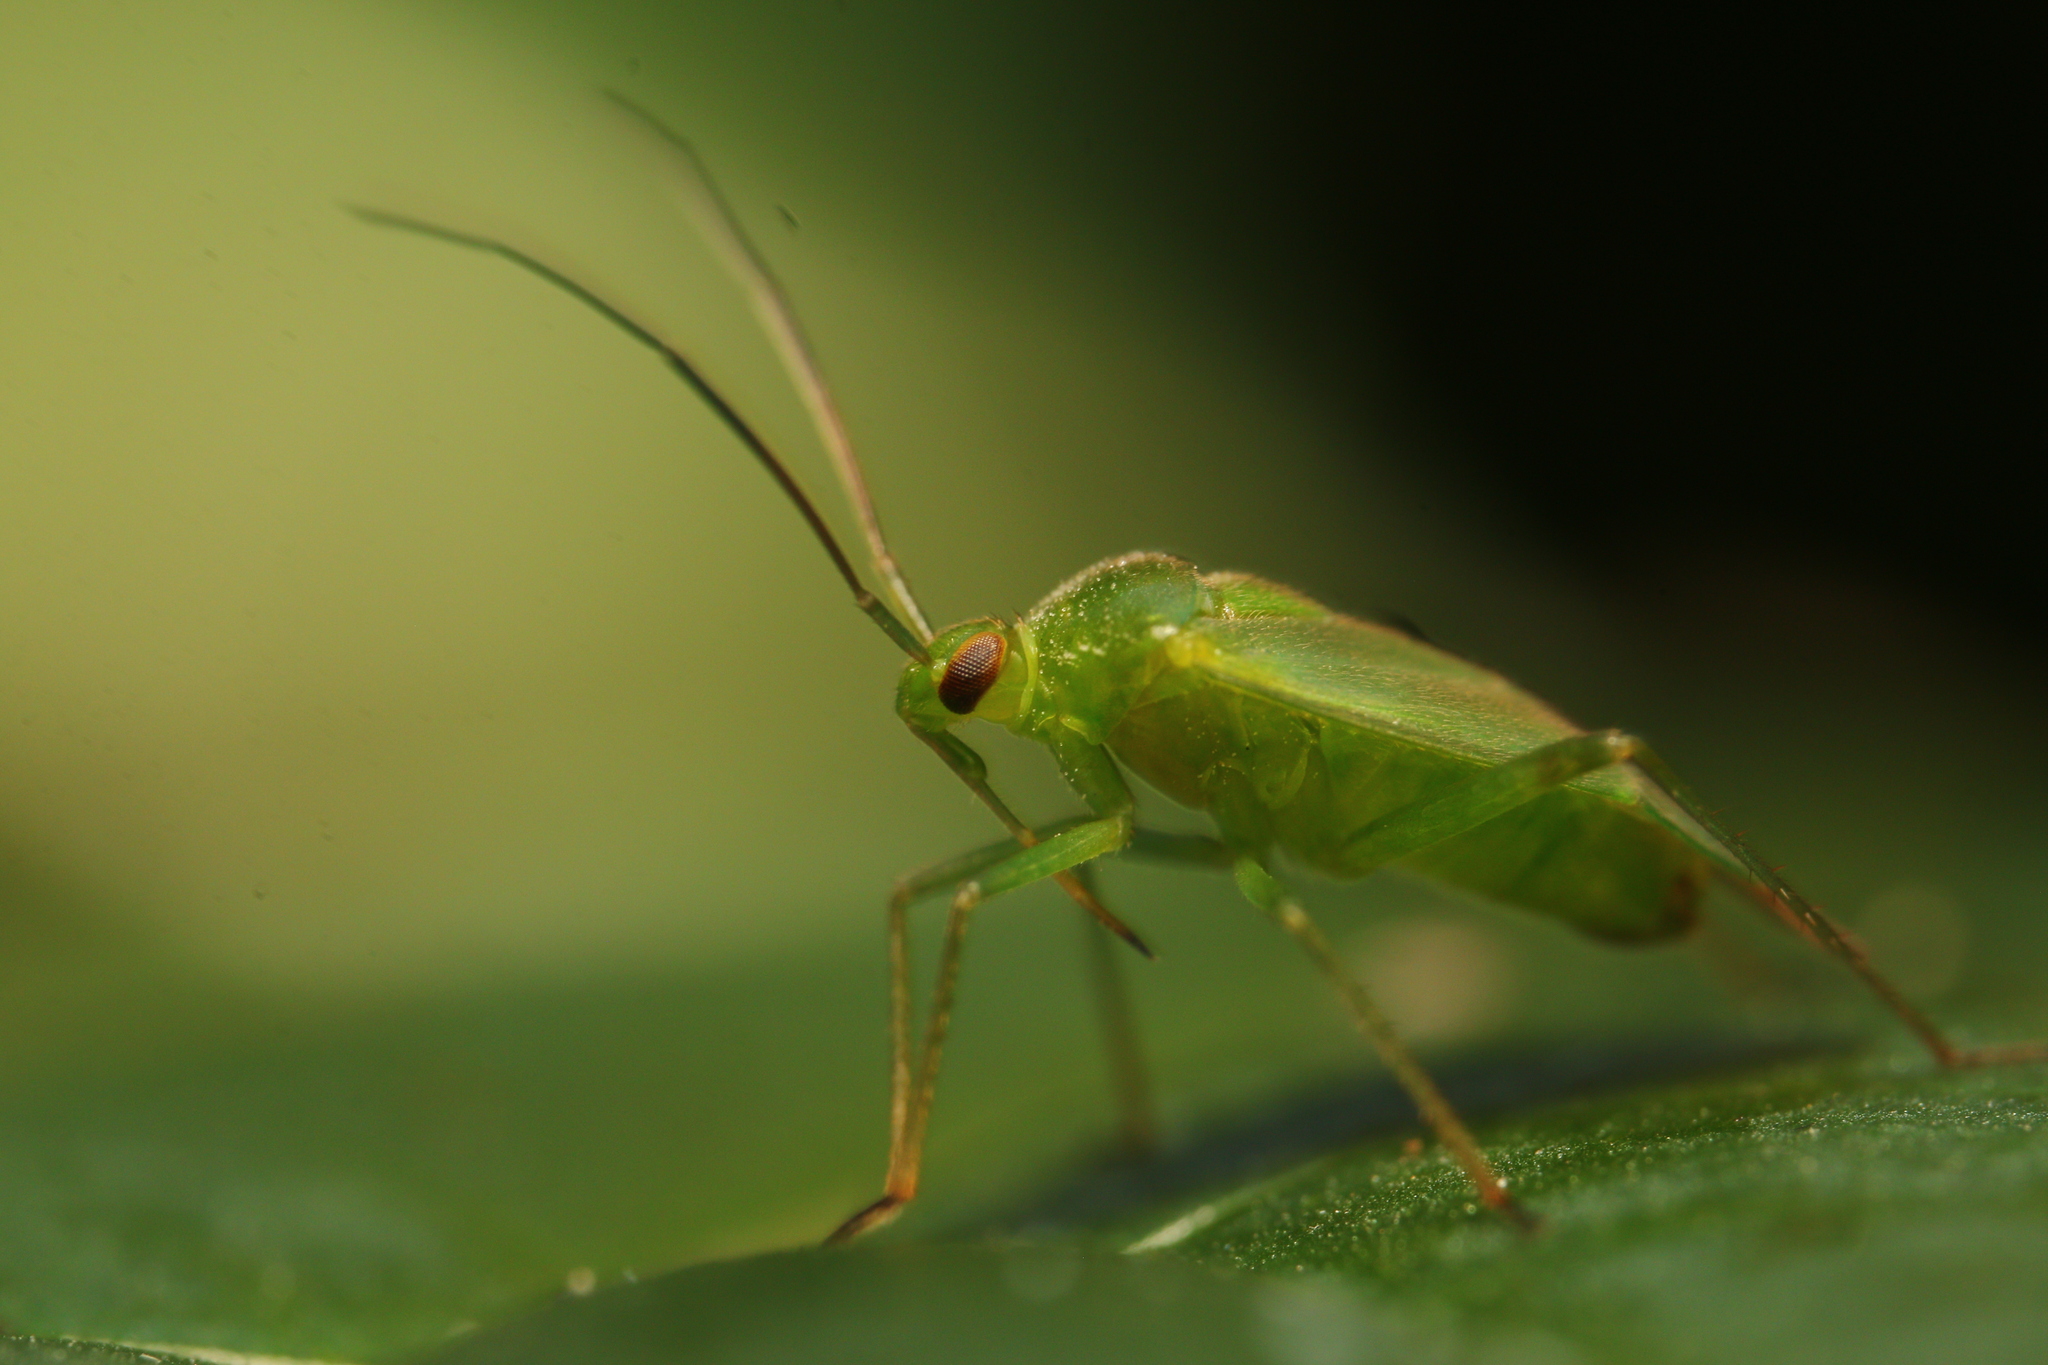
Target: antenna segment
[
  {"x": 910, "y": 643},
  {"x": 721, "y": 228}
]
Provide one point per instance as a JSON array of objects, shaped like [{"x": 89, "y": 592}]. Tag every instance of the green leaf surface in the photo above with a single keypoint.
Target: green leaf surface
[
  {"x": 55, "y": 1351},
  {"x": 1026, "y": 1302},
  {"x": 1821, "y": 1211},
  {"x": 1839, "y": 1211},
  {"x": 349, "y": 1187}
]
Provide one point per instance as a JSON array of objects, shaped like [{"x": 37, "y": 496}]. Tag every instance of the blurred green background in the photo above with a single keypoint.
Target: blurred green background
[{"x": 446, "y": 803}]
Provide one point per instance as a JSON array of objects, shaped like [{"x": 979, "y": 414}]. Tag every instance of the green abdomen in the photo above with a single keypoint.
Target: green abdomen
[{"x": 1272, "y": 776}]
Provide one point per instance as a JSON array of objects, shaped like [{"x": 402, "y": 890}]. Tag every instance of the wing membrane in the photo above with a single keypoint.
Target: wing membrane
[
  {"x": 1376, "y": 679},
  {"x": 1380, "y": 680}
]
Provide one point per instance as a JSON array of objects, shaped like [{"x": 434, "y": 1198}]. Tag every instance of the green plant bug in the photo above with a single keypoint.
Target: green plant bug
[{"x": 1310, "y": 739}]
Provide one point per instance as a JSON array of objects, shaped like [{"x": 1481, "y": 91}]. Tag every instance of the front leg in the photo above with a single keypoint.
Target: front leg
[
  {"x": 1263, "y": 889},
  {"x": 976, "y": 876},
  {"x": 968, "y": 766}
]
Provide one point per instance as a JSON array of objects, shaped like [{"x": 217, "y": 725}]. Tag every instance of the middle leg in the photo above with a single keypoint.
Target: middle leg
[
  {"x": 1264, "y": 890},
  {"x": 1269, "y": 894}
]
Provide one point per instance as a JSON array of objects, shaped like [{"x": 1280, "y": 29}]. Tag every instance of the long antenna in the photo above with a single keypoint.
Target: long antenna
[
  {"x": 878, "y": 612},
  {"x": 721, "y": 228}
]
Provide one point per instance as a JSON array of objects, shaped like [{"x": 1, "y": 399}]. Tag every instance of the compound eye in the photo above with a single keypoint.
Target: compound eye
[{"x": 972, "y": 671}]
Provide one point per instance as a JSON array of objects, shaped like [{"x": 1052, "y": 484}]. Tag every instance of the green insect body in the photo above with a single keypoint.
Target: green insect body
[
  {"x": 1295, "y": 728},
  {"x": 1309, "y": 738}
]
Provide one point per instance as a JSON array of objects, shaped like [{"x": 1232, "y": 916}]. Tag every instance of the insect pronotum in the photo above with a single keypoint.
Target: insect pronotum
[{"x": 1309, "y": 738}]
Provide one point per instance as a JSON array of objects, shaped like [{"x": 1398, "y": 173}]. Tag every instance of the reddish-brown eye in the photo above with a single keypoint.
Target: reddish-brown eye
[{"x": 972, "y": 671}]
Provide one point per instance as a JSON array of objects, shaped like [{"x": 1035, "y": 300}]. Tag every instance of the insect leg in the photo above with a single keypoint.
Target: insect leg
[
  {"x": 1128, "y": 1083},
  {"x": 900, "y": 1184},
  {"x": 1186, "y": 850},
  {"x": 1267, "y": 892},
  {"x": 1071, "y": 847},
  {"x": 1803, "y": 917},
  {"x": 1473, "y": 801},
  {"x": 1477, "y": 799},
  {"x": 978, "y": 875},
  {"x": 1262, "y": 889},
  {"x": 967, "y": 765},
  {"x": 1128, "y": 1080}
]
